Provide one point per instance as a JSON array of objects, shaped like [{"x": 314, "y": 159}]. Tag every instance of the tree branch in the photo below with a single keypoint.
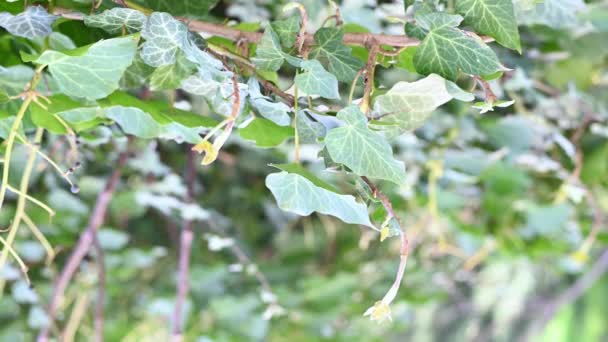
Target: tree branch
[
  {"x": 84, "y": 244},
  {"x": 101, "y": 289},
  {"x": 185, "y": 247},
  {"x": 220, "y": 30}
]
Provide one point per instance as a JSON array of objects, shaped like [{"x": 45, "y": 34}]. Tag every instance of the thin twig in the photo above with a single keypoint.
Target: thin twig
[
  {"x": 186, "y": 237},
  {"x": 368, "y": 78},
  {"x": 101, "y": 289},
  {"x": 84, "y": 244}
]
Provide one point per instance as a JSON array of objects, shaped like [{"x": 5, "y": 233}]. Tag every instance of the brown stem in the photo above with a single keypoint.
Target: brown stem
[
  {"x": 84, "y": 245},
  {"x": 101, "y": 289},
  {"x": 368, "y": 79},
  {"x": 487, "y": 89},
  {"x": 220, "y": 30},
  {"x": 186, "y": 237}
]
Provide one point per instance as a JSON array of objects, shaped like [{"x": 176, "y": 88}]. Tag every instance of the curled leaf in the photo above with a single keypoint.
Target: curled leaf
[{"x": 206, "y": 148}]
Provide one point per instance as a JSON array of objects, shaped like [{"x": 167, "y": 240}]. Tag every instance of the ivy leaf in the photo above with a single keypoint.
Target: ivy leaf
[
  {"x": 448, "y": 51},
  {"x": 297, "y": 194},
  {"x": 165, "y": 36},
  {"x": 315, "y": 80},
  {"x": 134, "y": 121},
  {"x": 553, "y": 13},
  {"x": 287, "y": 29},
  {"x": 184, "y": 8},
  {"x": 265, "y": 133},
  {"x": 137, "y": 74},
  {"x": 268, "y": 54},
  {"x": 171, "y": 76},
  {"x": 363, "y": 151},
  {"x": 309, "y": 131},
  {"x": 409, "y": 104},
  {"x": 92, "y": 72},
  {"x": 336, "y": 56},
  {"x": 34, "y": 22},
  {"x": 276, "y": 112},
  {"x": 495, "y": 18},
  {"x": 116, "y": 19}
]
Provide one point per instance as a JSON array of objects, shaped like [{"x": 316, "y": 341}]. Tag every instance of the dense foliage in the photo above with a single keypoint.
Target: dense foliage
[{"x": 266, "y": 170}]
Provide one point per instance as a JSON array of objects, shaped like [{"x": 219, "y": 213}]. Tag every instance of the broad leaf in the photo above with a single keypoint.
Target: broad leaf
[
  {"x": 363, "y": 151},
  {"x": 268, "y": 53},
  {"x": 309, "y": 131},
  {"x": 553, "y": 13},
  {"x": 336, "y": 56},
  {"x": 408, "y": 104},
  {"x": 171, "y": 76},
  {"x": 276, "y": 112},
  {"x": 93, "y": 72},
  {"x": 134, "y": 121},
  {"x": 315, "y": 80},
  {"x": 287, "y": 29},
  {"x": 299, "y": 195},
  {"x": 495, "y": 18},
  {"x": 4, "y": 98},
  {"x": 34, "y": 22},
  {"x": 448, "y": 51},
  {"x": 265, "y": 133},
  {"x": 117, "y": 19},
  {"x": 165, "y": 36}
]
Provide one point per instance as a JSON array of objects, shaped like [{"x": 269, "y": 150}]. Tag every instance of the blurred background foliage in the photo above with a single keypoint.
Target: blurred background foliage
[{"x": 499, "y": 228}]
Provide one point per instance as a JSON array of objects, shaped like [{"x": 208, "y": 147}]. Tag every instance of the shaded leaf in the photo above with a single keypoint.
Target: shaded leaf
[
  {"x": 34, "y": 22},
  {"x": 276, "y": 112}
]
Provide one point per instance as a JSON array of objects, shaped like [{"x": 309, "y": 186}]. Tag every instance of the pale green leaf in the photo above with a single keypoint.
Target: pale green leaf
[
  {"x": 495, "y": 18},
  {"x": 315, "y": 80},
  {"x": 299, "y": 195},
  {"x": 553, "y": 13},
  {"x": 448, "y": 51},
  {"x": 95, "y": 73},
  {"x": 117, "y": 19},
  {"x": 363, "y": 151},
  {"x": 268, "y": 53},
  {"x": 408, "y": 104},
  {"x": 309, "y": 131},
  {"x": 336, "y": 56},
  {"x": 287, "y": 30},
  {"x": 276, "y": 112},
  {"x": 164, "y": 36},
  {"x": 34, "y": 22},
  {"x": 134, "y": 121}
]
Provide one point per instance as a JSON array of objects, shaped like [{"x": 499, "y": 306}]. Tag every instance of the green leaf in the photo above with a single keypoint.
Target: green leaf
[
  {"x": 171, "y": 76},
  {"x": 137, "y": 74},
  {"x": 134, "y": 121},
  {"x": 4, "y": 98},
  {"x": 268, "y": 53},
  {"x": 409, "y": 104},
  {"x": 448, "y": 51},
  {"x": 117, "y": 19},
  {"x": 287, "y": 29},
  {"x": 553, "y": 13},
  {"x": 276, "y": 112},
  {"x": 265, "y": 133},
  {"x": 495, "y": 18},
  {"x": 164, "y": 36},
  {"x": 317, "y": 81},
  {"x": 304, "y": 172},
  {"x": 299, "y": 195},
  {"x": 34, "y": 22},
  {"x": 76, "y": 115},
  {"x": 94, "y": 72},
  {"x": 309, "y": 131},
  {"x": 363, "y": 151},
  {"x": 336, "y": 56}
]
